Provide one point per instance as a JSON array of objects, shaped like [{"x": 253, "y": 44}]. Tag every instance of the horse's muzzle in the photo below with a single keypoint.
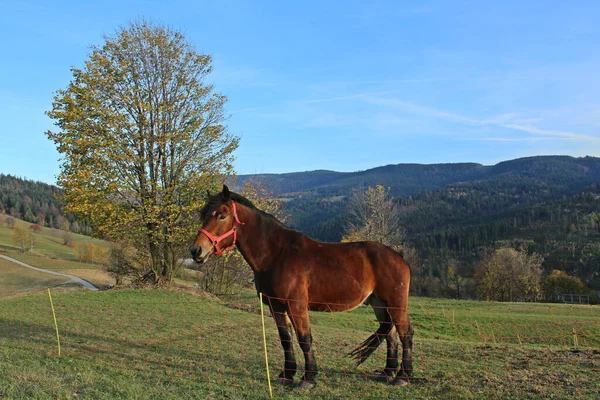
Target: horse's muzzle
[
  {"x": 196, "y": 250},
  {"x": 197, "y": 255}
]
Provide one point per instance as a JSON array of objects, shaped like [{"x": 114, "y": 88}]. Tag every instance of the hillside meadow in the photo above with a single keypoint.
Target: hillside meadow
[
  {"x": 179, "y": 344},
  {"x": 50, "y": 253}
]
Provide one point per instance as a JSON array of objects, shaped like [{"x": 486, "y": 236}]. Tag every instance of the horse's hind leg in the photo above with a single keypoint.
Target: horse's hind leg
[
  {"x": 405, "y": 331},
  {"x": 384, "y": 318},
  {"x": 406, "y": 368},
  {"x": 284, "y": 327}
]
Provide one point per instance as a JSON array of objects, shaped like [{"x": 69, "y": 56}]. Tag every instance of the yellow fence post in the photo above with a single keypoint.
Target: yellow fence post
[
  {"x": 262, "y": 315},
  {"x": 55, "y": 324}
]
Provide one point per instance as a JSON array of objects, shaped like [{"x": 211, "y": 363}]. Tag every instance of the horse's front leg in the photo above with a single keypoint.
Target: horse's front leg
[
  {"x": 284, "y": 327},
  {"x": 299, "y": 316}
]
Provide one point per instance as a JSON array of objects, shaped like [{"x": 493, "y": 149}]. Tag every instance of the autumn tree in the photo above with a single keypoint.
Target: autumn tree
[
  {"x": 90, "y": 253},
  {"x": 509, "y": 275},
  {"x": 142, "y": 137},
  {"x": 35, "y": 228},
  {"x": 559, "y": 282},
  {"x": 24, "y": 239},
  {"x": 86, "y": 252},
  {"x": 100, "y": 255},
  {"x": 374, "y": 217}
]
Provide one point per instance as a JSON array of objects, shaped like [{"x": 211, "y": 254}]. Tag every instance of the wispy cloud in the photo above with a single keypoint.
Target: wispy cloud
[
  {"x": 538, "y": 131},
  {"x": 381, "y": 81},
  {"x": 502, "y": 139},
  {"x": 309, "y": 101},
  {"x": 512, "y": 121}
]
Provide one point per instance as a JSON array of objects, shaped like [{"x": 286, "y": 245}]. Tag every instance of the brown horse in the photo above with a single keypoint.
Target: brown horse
[{"x": 297, "y": 274}]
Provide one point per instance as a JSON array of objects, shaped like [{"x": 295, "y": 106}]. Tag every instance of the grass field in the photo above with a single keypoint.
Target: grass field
[
  {"x": 49, "y": 242},
  {"x": 15, "y": 279},
  {"x": 50, "y": 253},
  {"x": 171, "y": 344}
]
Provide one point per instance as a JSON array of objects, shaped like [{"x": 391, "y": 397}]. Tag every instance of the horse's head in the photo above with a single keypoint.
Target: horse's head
[{"x": 219, "y": 226}]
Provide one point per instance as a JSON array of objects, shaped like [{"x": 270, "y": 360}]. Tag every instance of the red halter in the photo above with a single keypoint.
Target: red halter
[{"x": 233, "y": 231}]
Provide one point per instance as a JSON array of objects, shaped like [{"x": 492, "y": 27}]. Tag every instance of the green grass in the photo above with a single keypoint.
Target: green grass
[
  {"x": 50, "y": 253},
  {"x": 49, "y": 242},
  {"x": 15, "y": 279},
  {"x": 54, "y": 264},
  {"x": 166, "y": 344}
]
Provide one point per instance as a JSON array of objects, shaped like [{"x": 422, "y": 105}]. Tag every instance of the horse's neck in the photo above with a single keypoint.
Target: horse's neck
[{"x": 258, "y": 242}]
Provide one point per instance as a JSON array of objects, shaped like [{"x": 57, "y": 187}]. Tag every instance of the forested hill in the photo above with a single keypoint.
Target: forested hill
[
  {"x": 409, "y": 179},
  {"x": 38, "y": 203},
  {"x": 403, "y": 179},
  {"x": 451, "y": 211}
]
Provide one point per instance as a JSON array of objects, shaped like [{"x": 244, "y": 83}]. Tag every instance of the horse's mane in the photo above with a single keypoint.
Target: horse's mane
[{"x": 215, "y": 200}]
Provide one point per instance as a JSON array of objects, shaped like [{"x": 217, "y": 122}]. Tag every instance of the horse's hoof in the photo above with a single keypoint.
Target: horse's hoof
[
  {"x": 306, "y": 384},
  {"x": 284, "y": 381},
  {"x": 383, "y": 377},
  {"x": 399, "y": 382}
]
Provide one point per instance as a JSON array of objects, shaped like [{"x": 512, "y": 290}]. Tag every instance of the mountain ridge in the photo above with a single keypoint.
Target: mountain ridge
[{"x": 406, "y": 179}]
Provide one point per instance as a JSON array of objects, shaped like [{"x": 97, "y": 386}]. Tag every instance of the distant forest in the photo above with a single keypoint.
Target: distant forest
[
  {"x": 38, "y": 203},
  {"x": 451, "y": 213}
]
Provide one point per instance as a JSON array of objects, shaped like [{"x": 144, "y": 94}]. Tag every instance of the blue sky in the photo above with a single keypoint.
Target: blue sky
[{"x": 340, "y": 85}]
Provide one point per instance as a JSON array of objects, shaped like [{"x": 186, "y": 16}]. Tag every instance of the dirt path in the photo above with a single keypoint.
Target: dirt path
[{"x": 72, "y": 278}]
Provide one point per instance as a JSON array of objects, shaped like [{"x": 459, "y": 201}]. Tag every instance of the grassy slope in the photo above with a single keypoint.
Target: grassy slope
[
  {"x": 50, "y": 253},
  {"x": 15, "y": 279},
  {"x": 165, "y": 344}
]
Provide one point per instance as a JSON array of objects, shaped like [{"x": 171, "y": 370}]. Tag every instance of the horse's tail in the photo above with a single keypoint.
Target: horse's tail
[{"x": 366, "y": 348}]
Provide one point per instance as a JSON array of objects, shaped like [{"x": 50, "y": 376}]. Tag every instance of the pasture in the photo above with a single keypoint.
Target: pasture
[
  {"x": 15, "y": 279},
  {"x": 50, "y": 253},
  {"x": 174, "y": 344}
]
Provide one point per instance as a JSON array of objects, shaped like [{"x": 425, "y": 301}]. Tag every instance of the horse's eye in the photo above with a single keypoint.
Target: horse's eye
[{"x": 222, "y": 216}]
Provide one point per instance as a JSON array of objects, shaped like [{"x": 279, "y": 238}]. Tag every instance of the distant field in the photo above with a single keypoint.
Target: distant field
[
  {"x": 15, "y": 279},
  {"x": 49, "y": 242},
  {"x": 168, "y": 345},
  {"x": 57, "y": 264},
  {"x": 50, "y": 253}
]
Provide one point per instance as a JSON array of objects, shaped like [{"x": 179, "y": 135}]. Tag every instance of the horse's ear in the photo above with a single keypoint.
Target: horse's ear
[
  {"x": 225, "y": 194},
  {"x": 207, "y": 193}
]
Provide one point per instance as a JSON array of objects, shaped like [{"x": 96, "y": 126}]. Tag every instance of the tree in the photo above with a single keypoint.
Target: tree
[
  {"x": 24, "y": 239},
  {"x": 456, "y": 282},
  {"x": 28, "y": 215},
  {"x": 41, "y": 218},
  {"x": 10, "y": 222},
  {"x": 68, "y": 239},
  {"x": 87, "y": 252},
  {"x": 35, "y": 228},
  {"x": 100, "y": 255},
  {"x": 60, "y": 223},
  {"x": 374, "y": 217},
  {"x": 559, "y": 282},
  {"x": 509, "y": 275},
  {"x": 142, "y": 138},
  {"x": 122, "y": 263}
]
